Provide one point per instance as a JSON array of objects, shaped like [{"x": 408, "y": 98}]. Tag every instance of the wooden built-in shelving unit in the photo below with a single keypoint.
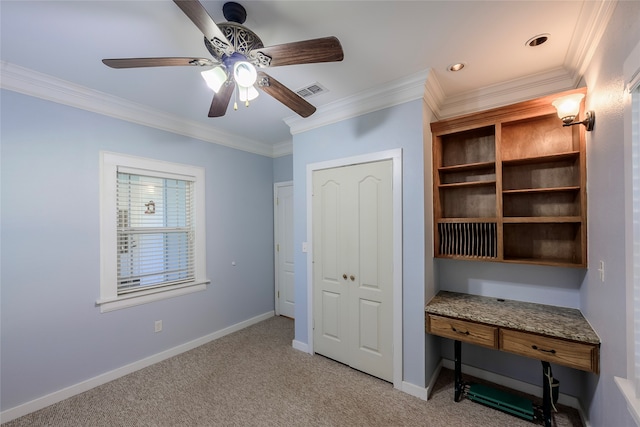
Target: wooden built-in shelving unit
[{"x": 510, "y": 186}]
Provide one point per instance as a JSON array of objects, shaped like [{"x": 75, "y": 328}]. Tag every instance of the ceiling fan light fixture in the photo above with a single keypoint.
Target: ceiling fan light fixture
[
  {"x": 244, "y": 73},
  {"x": 215, "y": 78},
  {"x": 248, "y": 93}
]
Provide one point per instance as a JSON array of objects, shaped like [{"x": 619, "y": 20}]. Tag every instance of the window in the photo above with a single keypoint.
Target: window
[
  {"x": 635, "y": 156},
  {"x": 630, "y": 386},
  {"x": 152, "y": 230}
]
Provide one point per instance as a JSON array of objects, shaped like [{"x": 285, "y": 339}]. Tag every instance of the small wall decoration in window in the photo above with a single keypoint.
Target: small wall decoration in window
[{"x": 151, "y": 207}]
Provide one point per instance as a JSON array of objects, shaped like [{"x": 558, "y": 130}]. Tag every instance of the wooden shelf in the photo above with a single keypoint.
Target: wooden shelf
[
  {"x": 468, "y": 167},
  {"x": 541, "y": 190},
  {"x": 468, "y": 184},
  {"x": 467, "y": 220},
  {"x": 570, "y": 155},
  {"x": 542, "y": 220},
  {"x": 544, "y": 261},
  {"x": 509, "y": 185}
]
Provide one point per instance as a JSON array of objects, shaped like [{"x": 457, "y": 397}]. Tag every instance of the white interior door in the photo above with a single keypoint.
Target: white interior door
[
  {"x": 285, "y": 293},
  {"x": 353, "y": 266}
]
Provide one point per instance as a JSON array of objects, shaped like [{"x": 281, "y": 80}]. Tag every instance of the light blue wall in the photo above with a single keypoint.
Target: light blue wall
[
  {"x": 283, "y": 168},
  {"x": 53, "y": 335},
  {"x": 604, "y": 303},
  {"x": 395, "y": 127},
  {"x": 532, "y": 283}
]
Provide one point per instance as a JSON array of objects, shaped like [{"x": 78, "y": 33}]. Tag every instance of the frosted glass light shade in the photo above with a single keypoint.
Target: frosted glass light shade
[
  {"x": 248, "y": 93},
  {"x": 244, "y": 73},
  {"x": 568, "y": 106},
  {"x": 215, "y": 78}
]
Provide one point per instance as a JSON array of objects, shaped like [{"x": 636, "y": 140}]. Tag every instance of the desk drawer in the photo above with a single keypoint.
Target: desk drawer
[
  {"x": 567, "y": 353},
  {"x": 461, "y": 330}
]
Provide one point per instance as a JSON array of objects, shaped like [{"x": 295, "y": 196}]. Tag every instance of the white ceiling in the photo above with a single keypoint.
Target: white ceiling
[{"x": 384, "y": 43}]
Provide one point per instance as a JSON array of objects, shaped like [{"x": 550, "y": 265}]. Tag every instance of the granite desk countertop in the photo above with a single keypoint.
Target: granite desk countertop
[{"x": 560, "y": 322}]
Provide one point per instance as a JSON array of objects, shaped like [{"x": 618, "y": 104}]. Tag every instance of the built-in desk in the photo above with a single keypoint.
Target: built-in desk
[{"x": 550, "y": 334}]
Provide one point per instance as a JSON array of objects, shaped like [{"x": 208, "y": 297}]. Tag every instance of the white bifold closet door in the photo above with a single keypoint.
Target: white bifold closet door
[{"x": 353, "y": 266}]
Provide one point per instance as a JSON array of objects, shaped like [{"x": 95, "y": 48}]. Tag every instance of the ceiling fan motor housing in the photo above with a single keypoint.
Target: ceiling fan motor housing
[
  {"x": 242, "y": 39},
  {"x": 234, "y": 12}
]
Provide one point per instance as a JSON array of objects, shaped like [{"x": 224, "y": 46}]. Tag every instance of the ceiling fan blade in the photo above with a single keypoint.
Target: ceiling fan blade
[
  {"x": 199, "y": 16},
  {"x": 284, "y": 95},
  {"x": 221, "y": 100},
  {"x": 156, "y": 62},
  {"x": 327, "y": 49}
]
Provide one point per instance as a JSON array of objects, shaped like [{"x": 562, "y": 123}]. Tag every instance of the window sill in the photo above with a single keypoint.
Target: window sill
[
  {"x": 633, "y": 403},
  {"x": 144, "y": 297}
]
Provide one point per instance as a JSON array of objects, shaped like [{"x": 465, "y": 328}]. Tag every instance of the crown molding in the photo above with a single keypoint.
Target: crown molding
[
  {"x": 393, "y": 93},
  {"x": 29, "y": 82},
  {"x": 434, "y": 95},
  {"x": 558, "y": 80},
  {"x": 283, "y": 148},
  {"x": 592, "y": 23}
]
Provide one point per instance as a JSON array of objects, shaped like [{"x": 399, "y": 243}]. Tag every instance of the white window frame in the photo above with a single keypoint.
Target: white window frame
[
  {"x": 630, "y": 386},
  {"x": 109, "y": 162}
]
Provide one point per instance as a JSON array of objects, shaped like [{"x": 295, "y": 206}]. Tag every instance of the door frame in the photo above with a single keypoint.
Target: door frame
[
  {"x": 395, "y": 156},
  {"x": 276, "y": 231}
]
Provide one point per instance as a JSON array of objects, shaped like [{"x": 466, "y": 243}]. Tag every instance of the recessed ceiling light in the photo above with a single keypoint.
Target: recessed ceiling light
[
  {"x": 456, "y": 67},
  {"x": 537, "y": 40}
]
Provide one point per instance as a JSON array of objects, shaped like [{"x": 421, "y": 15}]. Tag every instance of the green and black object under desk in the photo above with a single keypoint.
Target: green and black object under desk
[
  {"x": 550, "y": 334},
  {"x": 508, "y": 402}
]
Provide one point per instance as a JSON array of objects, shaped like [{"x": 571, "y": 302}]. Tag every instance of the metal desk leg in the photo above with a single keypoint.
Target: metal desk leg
[
  {"x": 546, "y": 393},
  {"x": 457, "y": 346}
]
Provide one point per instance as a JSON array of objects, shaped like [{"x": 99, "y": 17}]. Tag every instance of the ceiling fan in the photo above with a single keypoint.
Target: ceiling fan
[{"x": 238, "y": 53}]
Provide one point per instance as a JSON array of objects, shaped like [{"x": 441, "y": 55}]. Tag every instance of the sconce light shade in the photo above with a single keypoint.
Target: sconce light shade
[
  {"x": 568, "y": 108},
  {"x": 215, "y": 78}
]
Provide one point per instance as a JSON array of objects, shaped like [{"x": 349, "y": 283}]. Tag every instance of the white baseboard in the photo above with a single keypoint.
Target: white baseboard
[
  {"x": 434, "y": 378},
  {"x": 65, "y": 393},
  {"x": 299, "y": 345},
  {"x": 414, "y": 390},
  {"x": 563, "y": 399}
]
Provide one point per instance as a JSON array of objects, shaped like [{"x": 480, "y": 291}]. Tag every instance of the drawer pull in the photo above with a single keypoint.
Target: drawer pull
[
  {"x": 459, "y": 332},
  {"x": 535, "y": 347}
]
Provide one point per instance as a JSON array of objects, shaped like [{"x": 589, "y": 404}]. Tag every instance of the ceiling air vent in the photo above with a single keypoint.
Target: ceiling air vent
[{"x": 311, "y": 90}]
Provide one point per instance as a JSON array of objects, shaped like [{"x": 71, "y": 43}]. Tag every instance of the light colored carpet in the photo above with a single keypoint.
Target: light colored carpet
[{"x": 255, "y": 378}]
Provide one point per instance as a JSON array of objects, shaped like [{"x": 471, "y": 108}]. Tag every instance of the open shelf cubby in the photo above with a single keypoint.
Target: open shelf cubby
[{"x": 510, "y": 186}]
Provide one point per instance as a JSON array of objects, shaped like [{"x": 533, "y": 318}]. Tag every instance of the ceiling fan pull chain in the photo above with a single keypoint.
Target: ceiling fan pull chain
[{"x": 235, "y": 99}]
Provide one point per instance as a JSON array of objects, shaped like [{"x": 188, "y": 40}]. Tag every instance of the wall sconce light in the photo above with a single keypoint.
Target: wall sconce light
[{"x": 568, "y": 108}]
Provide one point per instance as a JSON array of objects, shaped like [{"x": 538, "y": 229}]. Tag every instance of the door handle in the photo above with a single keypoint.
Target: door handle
[{"x": 352, "y": 277}]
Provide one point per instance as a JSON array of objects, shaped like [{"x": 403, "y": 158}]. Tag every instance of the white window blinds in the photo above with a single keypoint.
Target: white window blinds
[{"x": 155, "y": 231}]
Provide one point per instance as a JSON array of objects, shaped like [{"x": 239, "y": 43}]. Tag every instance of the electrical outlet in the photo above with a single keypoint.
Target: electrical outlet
[{"x": 158, "y": 325}]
